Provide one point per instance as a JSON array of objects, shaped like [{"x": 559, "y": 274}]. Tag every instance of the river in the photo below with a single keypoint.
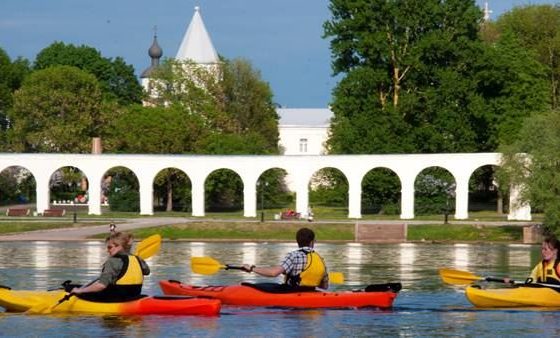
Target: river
[{"x": 425, "y": 306}]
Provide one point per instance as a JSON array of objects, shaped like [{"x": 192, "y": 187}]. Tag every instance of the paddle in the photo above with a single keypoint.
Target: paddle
[
  {"x": 148, "y": 247},
  {"x": 210, "y": 266},
  {"x": 145, "y": 249},
  {"x": 458, "y": 277}
]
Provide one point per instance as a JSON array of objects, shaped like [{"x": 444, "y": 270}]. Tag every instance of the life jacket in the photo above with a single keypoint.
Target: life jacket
[
  {"x": 312, "y": 274},
  {"x": 128, "y": 285},
  {"x": 546, "y": 273}
]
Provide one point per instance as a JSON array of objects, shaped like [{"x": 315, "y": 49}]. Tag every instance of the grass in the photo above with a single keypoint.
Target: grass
[
  {"x": 249, "y": 231},
  {"x": 327, "y": 232},
  {"x": 436, "y": 232},
  {"x": 7, "y": 227}
]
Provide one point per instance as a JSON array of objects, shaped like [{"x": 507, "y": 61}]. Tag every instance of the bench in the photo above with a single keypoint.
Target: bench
[
  {"x": 17, "y": 212},
  {"x": 54, "y": 212},
  {"x": 288, "y": 215}
]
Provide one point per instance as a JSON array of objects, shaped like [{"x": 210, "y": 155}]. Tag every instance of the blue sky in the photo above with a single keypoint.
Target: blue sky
[{"x": 282, "y": 38}]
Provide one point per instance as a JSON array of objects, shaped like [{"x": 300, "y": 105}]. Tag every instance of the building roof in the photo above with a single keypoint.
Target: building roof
[
  {"x": 309, "y": 117},
  {"x": 197, "y": 45}
]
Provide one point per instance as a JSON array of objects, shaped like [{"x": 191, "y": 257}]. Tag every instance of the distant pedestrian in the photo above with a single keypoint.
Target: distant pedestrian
[{"x": 112, "y": 228}]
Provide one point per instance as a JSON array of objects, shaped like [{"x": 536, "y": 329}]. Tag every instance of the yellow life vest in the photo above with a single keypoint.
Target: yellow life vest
[
  {"x": 545, "y": 272},
  {"x": 314, "y": 270},
  {"x": 133, "y": 274}
]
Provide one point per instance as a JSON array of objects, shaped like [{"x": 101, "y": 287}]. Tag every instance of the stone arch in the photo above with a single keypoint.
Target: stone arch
[
  {"x": 17, "y": 185},
  {"x": 328, "y": 186},
  {"x": 434, "y": 191},
  {"x": 273, "y": 191},
  {"x": 172, "y": 190},
  {"x": 223, "y": 189},
  {"x": 68, "y": 185},
  {"x": 381, "y": 192},
  {"x": 120, "y": 189},
  {"x": 484, "y": 193}
]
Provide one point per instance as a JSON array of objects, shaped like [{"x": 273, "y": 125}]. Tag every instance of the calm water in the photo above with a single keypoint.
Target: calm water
[{"x": 425, "y": 307}]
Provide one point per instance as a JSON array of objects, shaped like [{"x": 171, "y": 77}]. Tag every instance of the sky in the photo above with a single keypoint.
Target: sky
[{"x": 281, "y": 38}]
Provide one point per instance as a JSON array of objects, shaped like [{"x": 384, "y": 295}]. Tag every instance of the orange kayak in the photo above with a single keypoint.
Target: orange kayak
[{"x": 277, "y": 295}]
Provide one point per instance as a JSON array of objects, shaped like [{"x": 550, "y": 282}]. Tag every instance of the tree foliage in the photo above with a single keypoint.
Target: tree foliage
[
  {"x": 116, "y": 78},
  {"x": 12, "y": 74},
  {"x": 249, "y": 101},
  {"x": 537, "y": 28},
  {"x": 531, "y": 163},
  {"x": 56, "y": 109},
  {"x": 418, "y": 77}
]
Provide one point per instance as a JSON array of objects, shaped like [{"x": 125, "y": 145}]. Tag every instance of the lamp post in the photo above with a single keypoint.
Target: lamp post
[
  {"x": 74, "y": 216},
  {"x": 265, "y": 184}
]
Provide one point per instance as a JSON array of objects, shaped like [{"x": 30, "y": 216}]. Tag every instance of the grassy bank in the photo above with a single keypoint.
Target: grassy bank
[
  {"x": 327, "y": 232},
  {"x": 7, "y": 227}
]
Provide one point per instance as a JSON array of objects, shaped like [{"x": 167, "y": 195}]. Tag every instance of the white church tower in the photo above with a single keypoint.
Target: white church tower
[{"x": 196, "y": 47}]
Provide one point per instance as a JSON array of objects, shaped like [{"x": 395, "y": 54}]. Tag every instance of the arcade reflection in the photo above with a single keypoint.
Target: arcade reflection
[{"x": 39, "y": 265}]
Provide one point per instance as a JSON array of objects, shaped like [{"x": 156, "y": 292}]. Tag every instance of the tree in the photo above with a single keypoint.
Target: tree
[
  {"x": 408, "y": 82},
  {"x": 56, "y": 109},
  {"x": 531, "y": 163},
  {"x": 116, "y": 78},
  {"x": 230, "y": 107},
  {"x": 12, "y": 76},
  {"x": 249, "y": 101},
  {"x": 537, "y": 27}
]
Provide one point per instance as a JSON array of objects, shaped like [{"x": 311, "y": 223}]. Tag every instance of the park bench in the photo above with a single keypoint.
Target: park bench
[
  {"x": 290, "y": 215},
  {"x": 54, "y": 212},
  {"x": 17, "y": 212}
]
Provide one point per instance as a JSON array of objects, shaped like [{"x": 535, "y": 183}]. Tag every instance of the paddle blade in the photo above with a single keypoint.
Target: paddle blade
[
  {"x": 336, "y": 277},
  {"x": 205, "y": 265},
  {"x": 148, "y": 246},
  {"x": 457, "y": 277}
]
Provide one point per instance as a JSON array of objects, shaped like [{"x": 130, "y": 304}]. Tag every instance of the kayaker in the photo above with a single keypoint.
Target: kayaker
[
  {"x": 302, "y": 267},
  {"x": 548, "y": 271},
  {"x": 122, "y": 274}
]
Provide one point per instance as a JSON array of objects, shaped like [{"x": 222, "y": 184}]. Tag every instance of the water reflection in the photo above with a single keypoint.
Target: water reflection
[
  {"x": 461, "y": 255},
  {"x": 425, "y": 307}
]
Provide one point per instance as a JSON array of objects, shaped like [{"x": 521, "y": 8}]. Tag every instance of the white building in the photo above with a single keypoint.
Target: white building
[{"x": 301, "y": 131}]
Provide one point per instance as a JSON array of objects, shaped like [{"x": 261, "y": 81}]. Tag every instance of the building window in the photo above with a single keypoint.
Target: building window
[{"x": 302, "y": 145}]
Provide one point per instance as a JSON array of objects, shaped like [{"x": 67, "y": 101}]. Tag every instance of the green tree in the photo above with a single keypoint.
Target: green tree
[
  {"x": 537, "y": 27},
  {"x": 56, "y": 110},
  {"x": 12, "y": 75},
  {"x": 116, "y": 78},
  {"x": 531, "y": 163},
  {"x": 231, "y": 108},
  {"x": 249, "y": 101},
  {"x": 159, "y": 130}
]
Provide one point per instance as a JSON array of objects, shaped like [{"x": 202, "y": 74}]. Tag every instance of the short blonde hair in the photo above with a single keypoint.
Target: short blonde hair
[{"x": 124, "y": 239}]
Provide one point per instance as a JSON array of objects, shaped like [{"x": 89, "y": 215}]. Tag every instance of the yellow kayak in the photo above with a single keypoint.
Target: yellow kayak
[
  {"x": 513, "y": 297},
  {"x": 23, "y": 300}
]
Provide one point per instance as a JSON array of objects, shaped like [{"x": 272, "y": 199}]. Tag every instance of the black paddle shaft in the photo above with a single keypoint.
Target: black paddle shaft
[{"x": 235, "y": 267}]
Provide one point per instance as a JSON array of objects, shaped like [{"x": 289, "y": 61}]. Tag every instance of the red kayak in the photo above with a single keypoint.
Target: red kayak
[{"x": 279, "y": 295}]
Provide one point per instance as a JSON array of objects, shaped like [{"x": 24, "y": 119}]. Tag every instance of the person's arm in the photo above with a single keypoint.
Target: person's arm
[
  {"x": 266, "y": 271},
  {"x": 144, "y": 266},
  {"x": 94, "y": 287}
]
